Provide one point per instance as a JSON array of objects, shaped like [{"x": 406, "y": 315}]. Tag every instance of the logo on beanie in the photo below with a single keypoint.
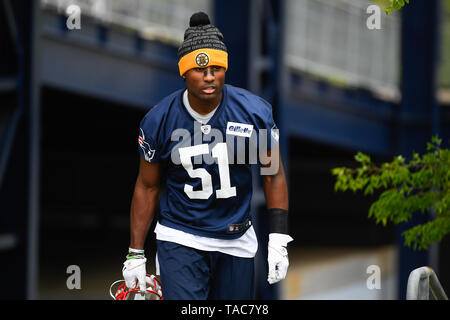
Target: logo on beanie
[{"x": 202, "y": 59}]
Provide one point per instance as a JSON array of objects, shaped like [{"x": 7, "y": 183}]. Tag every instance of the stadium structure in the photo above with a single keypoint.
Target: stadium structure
[{"x": 72, "y": 97}]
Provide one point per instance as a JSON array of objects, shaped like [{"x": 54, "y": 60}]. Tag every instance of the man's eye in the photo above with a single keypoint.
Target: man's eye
[{"x": 199, "y": 69}]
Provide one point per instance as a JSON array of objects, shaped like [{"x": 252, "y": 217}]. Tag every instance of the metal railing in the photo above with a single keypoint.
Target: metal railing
[
  {"x": 162, "y": 19},
  {"x": 330, "y": 39},
  {"x": 421, "y": 281}
]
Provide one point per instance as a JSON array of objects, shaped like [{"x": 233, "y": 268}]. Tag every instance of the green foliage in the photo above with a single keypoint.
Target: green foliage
[
  {"x": 408, "y": 188},
  {"x": 395, "y": 5}
]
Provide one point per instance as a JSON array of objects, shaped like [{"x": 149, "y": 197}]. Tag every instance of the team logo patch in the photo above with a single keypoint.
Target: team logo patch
[
  {"x": 148, "y": 152},
  {"x": 239, "y": 129},
  {"x": 202, "y": 59}
]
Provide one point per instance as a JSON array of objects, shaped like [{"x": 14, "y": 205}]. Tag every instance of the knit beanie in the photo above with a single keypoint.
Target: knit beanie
[{"x": 202, "y": 46}]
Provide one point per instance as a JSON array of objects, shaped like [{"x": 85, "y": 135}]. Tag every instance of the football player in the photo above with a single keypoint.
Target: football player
[{"x": 203, "y": 140}]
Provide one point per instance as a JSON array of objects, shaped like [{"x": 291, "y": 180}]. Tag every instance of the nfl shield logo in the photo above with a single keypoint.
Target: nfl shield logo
[{"x": 206, "y": 129}]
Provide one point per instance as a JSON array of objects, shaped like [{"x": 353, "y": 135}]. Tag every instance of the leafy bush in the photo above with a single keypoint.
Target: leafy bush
[
  {"x": 395, "y": 5},
  {"x": 413, "y": 187}
]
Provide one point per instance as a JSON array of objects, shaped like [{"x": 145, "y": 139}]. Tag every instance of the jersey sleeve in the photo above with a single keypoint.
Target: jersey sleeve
[{"x": 148, "y": 145}]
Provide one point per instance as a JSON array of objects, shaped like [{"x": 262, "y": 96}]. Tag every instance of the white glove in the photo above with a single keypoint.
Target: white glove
[
  {"x": 134, "y": 269},
  {"x": 278, "y": 256}
]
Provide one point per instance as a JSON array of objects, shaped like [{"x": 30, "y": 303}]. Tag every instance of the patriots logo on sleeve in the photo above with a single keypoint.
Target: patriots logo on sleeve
[{"x": 149, "y": 153}]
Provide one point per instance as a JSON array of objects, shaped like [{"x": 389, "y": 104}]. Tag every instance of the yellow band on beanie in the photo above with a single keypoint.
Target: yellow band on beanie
[{"x": 203, "y": 58}]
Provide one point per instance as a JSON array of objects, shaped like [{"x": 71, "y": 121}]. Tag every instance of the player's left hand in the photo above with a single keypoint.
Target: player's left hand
[{"x": 278, "y": 257}]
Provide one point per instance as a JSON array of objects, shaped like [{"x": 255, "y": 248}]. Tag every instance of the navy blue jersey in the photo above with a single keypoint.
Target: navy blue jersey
[{"x": 208, "y": 167}]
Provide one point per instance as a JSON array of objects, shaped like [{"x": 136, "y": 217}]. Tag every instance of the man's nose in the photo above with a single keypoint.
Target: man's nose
[{"x": 208, "y": 74}]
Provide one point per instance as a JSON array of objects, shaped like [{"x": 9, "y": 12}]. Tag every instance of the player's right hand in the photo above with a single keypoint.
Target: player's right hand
[{"x": 134, "y": 269}]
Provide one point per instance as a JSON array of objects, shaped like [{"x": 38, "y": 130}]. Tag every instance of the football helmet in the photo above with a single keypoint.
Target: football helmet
[{"x": 152, "y": 292}]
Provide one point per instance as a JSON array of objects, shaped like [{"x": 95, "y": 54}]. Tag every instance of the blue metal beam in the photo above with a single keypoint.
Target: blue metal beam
[
  {"x": 231, "y": 17},
  {"x": 18, "y": 192},
  {"x": 334, "y": 127},
  {"x": 138, "y": 73},
  {"x": 420, "y": 42}
]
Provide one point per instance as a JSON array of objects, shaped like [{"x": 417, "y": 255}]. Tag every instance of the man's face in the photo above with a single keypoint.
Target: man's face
[{"x": 206, "y": 84}]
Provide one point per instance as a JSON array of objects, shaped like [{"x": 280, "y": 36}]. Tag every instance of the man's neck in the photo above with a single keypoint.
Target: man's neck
[{"x": 203, "y": 106}]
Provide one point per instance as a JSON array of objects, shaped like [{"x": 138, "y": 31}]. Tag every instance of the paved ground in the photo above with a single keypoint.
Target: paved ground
[{"x": 100, "y": 255}]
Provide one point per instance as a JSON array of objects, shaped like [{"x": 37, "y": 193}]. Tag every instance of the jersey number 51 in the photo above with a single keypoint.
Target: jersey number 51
[{"x": 219, "y": 152}]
